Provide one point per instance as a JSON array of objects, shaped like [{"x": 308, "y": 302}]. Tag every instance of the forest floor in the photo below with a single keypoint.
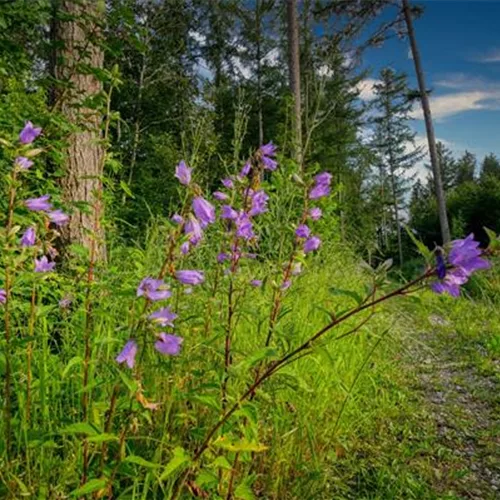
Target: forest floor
[{"x": 461, "y": 395}]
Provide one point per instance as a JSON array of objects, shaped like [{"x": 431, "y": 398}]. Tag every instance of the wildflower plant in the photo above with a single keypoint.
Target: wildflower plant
[{"x": 188, "y": 312}]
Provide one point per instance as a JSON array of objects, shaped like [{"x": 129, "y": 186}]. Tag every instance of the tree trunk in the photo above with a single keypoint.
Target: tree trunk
[
  {"x": 258, "y": 25},
  {"x": 75, "y": 33},
  {"x": 438, "y": 182},
  {"x": 294, "y": 75}
]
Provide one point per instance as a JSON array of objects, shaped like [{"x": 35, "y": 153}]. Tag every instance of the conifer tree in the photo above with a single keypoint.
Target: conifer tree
[{"x": 396, "y": 154}]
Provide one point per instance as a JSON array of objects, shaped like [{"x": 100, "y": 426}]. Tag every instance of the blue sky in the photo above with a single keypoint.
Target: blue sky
[{"x": 460, "y": 47}]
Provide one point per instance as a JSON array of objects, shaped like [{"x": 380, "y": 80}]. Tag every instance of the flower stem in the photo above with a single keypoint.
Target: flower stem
[{"x": 288, "y": 358}]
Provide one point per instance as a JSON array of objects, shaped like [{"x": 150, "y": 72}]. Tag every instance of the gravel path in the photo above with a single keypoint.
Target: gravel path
[{"x": 465, "y": 405}]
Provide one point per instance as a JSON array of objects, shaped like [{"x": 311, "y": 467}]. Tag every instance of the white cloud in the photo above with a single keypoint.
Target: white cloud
[
  {"x": 325, "y": 71},
  {"x": 366, "y": 89},
  {"x": 446, "y": 105},
  {"x": 272, "y": 58},
  {"x": 492, "y": 56}
]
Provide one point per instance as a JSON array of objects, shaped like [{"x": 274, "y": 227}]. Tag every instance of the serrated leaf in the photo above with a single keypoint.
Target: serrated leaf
[
  {"x": 179, "y": 459},
  {"x": 135, "y": 459}
]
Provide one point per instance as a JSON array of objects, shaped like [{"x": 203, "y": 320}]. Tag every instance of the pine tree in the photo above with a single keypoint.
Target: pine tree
[
  {"x": 465, "y": 168},
  {"x": 396, "y": 154},
  {"x": 490, "y": 167}
]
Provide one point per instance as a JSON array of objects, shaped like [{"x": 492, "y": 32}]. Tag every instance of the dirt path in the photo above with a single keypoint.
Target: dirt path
[{"x": 464, "y": 404}]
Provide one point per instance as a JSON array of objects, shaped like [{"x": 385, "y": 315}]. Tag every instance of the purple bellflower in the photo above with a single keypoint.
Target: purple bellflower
[
  {"x": 303, "y": 231},
  {"x": 23, "y": 163},
  {"x": 245, "y": 170},
  {"x": 164, "y": 317},
  {"x": 3, "y": 296},
  {"x": 185, "y": 247},
  {"x": 228, "y": 183},
  {"x": 193, "y": 229},
  {"x": 29, "y": 133},
  {"x": 177, "y": 219},
  {"x": 465, "y": 259},
  {"x": 42, "y": 265},
  {"x": 39, "y": 204},
  {"x": 169, "y": 345},
  {"x": 315, "y": 213},
  {"x": 188, "y": 277},
  {"x": 221, "y": 257},
  {"x": 29, "y": 237},
  {"x": 58, "y": 217},
  {"x": 183, "y": 173},
  {"x": 268, "y": 152},
  {"x": 153, "y": 289},
  {"x": 286, "y": 285},
  {"x": 259, "y": 203},
  {"x": 244, "y": 226},
  {"x": 220, "y": 196},
  {"x": 256, "y": 283},
  {"x": 65, "y": 302},
  {"x": 228, "y": 212},
  {"x": 312, "y": 244},
  {"x": 321, "y": 186},
  {"x": 127, "y": 355},
  {"x": 204, "y": 211}
]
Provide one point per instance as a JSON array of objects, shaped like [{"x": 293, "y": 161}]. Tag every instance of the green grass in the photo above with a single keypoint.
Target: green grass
[{"x": 344, "y": 422}]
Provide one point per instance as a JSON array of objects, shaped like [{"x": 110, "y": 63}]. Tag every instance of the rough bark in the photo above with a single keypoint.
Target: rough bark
[
  {"x": 294, "y": 75},
  {"x": 431, "y": 138},
  {"x": 75, "y": 33}
]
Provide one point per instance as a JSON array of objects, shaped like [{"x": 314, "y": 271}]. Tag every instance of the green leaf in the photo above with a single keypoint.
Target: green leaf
[
  {"x": 221, "y": 463},
  {"x": 421, "y": 247},
  {"x": 72, "y": 362},
  {"x": 348, "y": 293},
  {"x": 80, "y": 428},
  {"x": 244, "y": 491},
  {"x": 240, "y": 445},
  {"x": 126, "y": 189},
  {"x": 135, "y": 459},
  {"x": 90, "y": 487},
  {"x": 103, "y": 438},
  {"x": 179, "y": 459}
]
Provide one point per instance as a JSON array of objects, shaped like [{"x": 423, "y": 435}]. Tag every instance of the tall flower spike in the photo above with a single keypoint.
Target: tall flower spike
[
  {"x": 29, "y": 133},
  {"x": 127, "y": 354}
]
